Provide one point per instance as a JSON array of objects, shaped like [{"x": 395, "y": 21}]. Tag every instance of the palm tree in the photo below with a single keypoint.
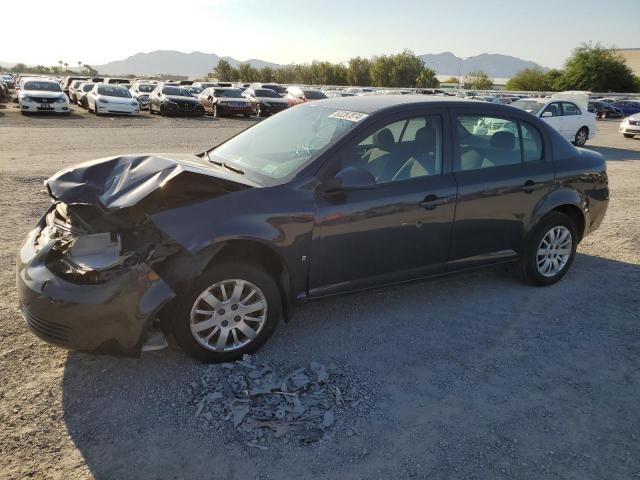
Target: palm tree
[
  {"x": 60, "y": 63},
  {"x": 66, "y": 67},
  {"x": 79, "y": 66}
]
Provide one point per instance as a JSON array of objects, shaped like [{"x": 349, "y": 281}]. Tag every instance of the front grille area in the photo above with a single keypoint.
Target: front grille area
[
  {"x": 42, "y": 100},
  {"x": 46, "y": 328},
  {"x": 187, "y": 107}
]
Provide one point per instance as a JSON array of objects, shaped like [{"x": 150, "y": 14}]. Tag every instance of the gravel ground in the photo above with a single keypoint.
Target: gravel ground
[{"x": 472, "y": 376}]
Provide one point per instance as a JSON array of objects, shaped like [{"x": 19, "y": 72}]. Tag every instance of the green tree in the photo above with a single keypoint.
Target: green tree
[
  {"x": 19, "y": 67},
  {"x": 427, "y": 79},
  {"x": 382, "y": 71},
  {"x": 266, "y": 74},
  {"x": 597, "y": 69},
  {"x": 451, "y": 80},
  {"x": 224, "y": 71},
  {"x": 478, "y": 80},
  {"x": 552, "y": 78},
  {"x": 359, "y": 72},
  {"x": 247, "y": 73},
  {"x": 407, "y": 67},
  {"x": 529, "y": 79}
]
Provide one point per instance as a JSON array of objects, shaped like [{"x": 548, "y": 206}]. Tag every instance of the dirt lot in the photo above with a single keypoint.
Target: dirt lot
[{"x": 474, "y": 376}]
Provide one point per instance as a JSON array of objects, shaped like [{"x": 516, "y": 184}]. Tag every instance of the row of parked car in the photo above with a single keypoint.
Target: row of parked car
[{"x": 573, "y": 114}]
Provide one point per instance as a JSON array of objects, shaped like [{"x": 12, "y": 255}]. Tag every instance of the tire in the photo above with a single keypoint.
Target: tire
[
  {"x": 581, "y": 137},
  {"x": 162, "y": 110},
  {"x": 532, "y": 258},
  {"x": 255, "y": 278},
  {"x": 628, "y": 135},
  {"x": 246, "y": 115}
]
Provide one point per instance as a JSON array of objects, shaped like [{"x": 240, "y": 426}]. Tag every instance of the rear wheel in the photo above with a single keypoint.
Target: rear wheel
[
  {"x": 581, "y": 137},
  {"x": 628, "y": 135},
  {"x": 232, "y": 310},
  {"x": 550, "y": 251}
]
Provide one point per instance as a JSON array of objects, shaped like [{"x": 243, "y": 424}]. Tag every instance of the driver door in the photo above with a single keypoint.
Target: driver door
[{"x": 400, "y": 227}]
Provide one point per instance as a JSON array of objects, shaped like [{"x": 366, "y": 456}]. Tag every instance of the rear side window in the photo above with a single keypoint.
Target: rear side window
[
  {"x": 570, "y": 109},
  {"x": 531, "y": 143},
  {"x": 487, "y": 142}
]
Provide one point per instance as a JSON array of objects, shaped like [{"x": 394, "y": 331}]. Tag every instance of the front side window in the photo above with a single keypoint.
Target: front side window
[
  {"x": 276, "y": 149},
  {"x": 486, "y": 142},
  {"x": 554, "y": 108},
  {"x": 401, "y": 150},
  {"x": 570, "y": 109}
]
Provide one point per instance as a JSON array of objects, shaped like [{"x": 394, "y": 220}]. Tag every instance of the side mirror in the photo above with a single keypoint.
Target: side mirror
[
  {"x": 350, "y": 178},
  {"x": 546, "y": 114}
]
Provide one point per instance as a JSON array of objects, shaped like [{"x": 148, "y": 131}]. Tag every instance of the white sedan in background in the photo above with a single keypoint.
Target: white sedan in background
[
  {"x": 42, "y": 96},
  {"x": 573, "y": 121},
  {"x": 105, "y": 98},
  {"x": 630, "y": 126}
]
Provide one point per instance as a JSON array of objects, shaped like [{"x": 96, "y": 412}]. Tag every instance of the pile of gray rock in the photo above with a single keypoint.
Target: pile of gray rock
[{"x": 262, "y": 408}]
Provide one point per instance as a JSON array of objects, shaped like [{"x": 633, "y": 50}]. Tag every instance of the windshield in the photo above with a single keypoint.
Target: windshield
[
  {"x": 266, "y": 92},
  {"x": 275, "y": 87},
  {"x": 42, "y": 86},
  {"x": 530, "y": 106},
  {"x": 178, "y": 91},
  {"x": 228, "y": 93},
  {"x": 276, "y": 149},
  {"x": 314, "y": 95},
  {"x": 87, "y": 86},
  {"x": 113, "y": 91},
  {"x": 146, "y": 88}
]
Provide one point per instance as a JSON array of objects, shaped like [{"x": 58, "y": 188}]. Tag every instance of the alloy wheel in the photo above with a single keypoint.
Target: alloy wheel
[
  {"x": 228, "y": 315},
  {"x": 554, "y": 251}
]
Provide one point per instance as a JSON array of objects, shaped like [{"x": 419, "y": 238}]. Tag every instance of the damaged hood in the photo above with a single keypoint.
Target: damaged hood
[{"x": 120, "y": 182}]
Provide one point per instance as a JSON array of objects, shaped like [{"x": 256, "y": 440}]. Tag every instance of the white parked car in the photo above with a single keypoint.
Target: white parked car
[
  {"x": 630, "y": 126},
  {"x": 572, "y": 121},
  {"x": 105, "y": 98},
  {"x": 40, "y": 95},
  {"x": 141, "y": 91}
]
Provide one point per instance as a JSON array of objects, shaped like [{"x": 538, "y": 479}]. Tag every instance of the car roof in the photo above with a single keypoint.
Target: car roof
[{"x": 374, "y": 103}]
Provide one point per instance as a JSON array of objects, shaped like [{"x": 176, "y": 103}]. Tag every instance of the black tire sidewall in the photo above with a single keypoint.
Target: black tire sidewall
[
  {"x": 577, "y": 143},
  {"x": 228, "y": 270},
  {"x": 529, "y": 266}
]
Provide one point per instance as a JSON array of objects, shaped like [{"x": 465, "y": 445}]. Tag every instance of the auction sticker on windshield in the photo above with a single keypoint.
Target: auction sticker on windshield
[{"x": 346, "y": 115}]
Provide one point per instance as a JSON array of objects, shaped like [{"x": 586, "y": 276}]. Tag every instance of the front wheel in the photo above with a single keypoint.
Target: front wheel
[
  {"x": 581, "y": 137},
  {"x": 232, "y": 310},
  {"x": 550, "y": 251},
  {"x": 628, "y": 135}
]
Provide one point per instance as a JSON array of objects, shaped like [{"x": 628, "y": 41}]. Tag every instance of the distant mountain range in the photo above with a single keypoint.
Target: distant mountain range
[
  {"x": 199, "y": 64},
  {"x": 495, "y": 65}
]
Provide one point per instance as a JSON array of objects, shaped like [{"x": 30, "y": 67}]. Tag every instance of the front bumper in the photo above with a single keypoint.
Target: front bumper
[
  {"x": 629, "y": 129},
  {"x": 232, "y": 110},
  {"x": 271, "y": 109},
  {"x": 189, "y": 109},
  {"x": 110, "y": 318},
  {"x": 117, "y": 108},
  {"x": 54, "y": 107}
]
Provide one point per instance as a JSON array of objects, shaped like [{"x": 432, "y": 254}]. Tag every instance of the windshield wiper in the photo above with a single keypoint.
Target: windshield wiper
[{"x": 223, "y": 164}]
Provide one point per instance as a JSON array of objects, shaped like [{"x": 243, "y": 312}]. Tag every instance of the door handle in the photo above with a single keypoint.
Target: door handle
[
  {"x": 529, "y": 186},
  {"x": 432, "y": 201}
]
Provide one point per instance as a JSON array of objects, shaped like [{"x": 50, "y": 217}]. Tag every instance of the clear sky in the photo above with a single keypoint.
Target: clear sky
[{"x": 98, "y": 31}]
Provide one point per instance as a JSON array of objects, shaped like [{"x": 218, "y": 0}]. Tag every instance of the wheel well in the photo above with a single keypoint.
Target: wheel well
[
  {"x": 259, "y": 254},
  {"x": 576, "y": 216}
]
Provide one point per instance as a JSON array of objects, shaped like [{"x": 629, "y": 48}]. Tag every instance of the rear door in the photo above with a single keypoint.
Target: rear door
[
  {"x": 502, "y": 174},
  {"x": 572, "y": 119}
]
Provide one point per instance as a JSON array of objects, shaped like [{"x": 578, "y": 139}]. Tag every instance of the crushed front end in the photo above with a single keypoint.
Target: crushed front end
[{"x": 85, "y": 287}]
